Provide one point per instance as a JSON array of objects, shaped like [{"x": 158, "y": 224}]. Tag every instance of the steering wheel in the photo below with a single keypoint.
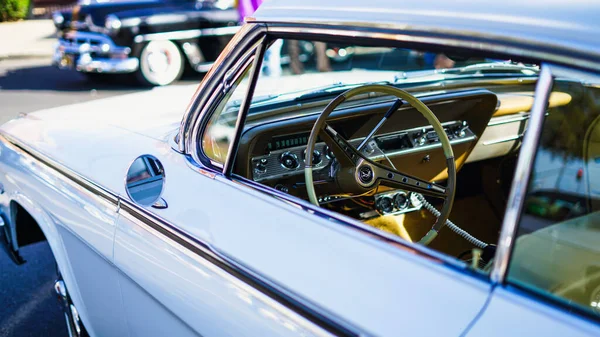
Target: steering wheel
[{"x": 357, "y": 174}]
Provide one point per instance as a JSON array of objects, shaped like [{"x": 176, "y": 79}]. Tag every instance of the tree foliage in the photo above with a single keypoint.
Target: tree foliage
[
  {"x": 565, "y": 126},
  {"x": 11, "y": 10}
]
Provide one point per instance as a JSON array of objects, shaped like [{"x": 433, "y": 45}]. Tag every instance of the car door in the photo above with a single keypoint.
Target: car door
[
  {"x": 171, "y": 283},
  {"x": 227, "y": 257},
  {"x": 551, "y": 286}
]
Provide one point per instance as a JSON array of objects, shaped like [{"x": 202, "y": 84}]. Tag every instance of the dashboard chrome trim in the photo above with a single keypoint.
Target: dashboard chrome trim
[
  {"x": 503, "y": 140},
  {"x": 375, "y": 153},
  {"x": 508, "y": 119}
]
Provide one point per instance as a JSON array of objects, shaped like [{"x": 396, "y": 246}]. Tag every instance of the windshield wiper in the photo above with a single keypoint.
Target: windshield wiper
[
  {"x": 495, "y": 68},
  {"x": 333, "y": 89},
  {"x": 479, "y": 69}
]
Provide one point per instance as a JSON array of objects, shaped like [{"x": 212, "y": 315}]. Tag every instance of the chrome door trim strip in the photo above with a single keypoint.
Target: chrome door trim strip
[
  {"x": 256, "y": 282},
  {"x": 73, "y": 176},
  {"x": 521, "y": 178},
  {"x": 187, "y": 34}
]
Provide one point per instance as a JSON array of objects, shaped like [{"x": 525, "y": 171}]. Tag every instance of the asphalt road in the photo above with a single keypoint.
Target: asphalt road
[
  {"x": 28, "y": 85},
  {"x": 28, "y": 305}
]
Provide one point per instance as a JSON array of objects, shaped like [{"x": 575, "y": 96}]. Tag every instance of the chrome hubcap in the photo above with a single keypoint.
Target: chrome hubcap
[{"x": 158, "y": 61}]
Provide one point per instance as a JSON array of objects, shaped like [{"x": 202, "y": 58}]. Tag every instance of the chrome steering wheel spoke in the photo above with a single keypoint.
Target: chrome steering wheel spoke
[
  {"x": 344, "y": 152},
  {"x": 370, "y": 174},
  {"x": 393, "y": 178}
]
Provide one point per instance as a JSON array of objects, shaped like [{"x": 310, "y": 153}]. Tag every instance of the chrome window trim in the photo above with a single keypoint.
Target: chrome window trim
[
  {"x": 521, "y": 176},
  {"x": 446, "y": 39},
  {"x": 456, "y": 39},
  {"x": 255, "y": 282},
  {"x": 243, "y": 111},
  {"x": 199, "y": 120},
  {"x": 383, "y": 237},
  {"x": 197, "y": 107},
  {"x": 216, "y": 98}
]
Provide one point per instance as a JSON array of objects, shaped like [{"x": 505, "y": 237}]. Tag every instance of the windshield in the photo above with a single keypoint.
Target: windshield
[{"x": 300, "y": 70}]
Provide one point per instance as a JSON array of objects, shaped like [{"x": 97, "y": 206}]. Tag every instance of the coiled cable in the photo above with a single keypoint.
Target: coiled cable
[{"x": 464, "y": 234}]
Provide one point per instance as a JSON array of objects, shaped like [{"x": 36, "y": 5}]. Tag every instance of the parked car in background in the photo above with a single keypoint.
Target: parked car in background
[
  {"x": 382, "y": 197},
  {"x": 155, "y": 40}
]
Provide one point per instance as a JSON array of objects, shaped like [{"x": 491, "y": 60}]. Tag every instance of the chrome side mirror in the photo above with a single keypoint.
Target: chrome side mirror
[{"x": 145, "y": 181}]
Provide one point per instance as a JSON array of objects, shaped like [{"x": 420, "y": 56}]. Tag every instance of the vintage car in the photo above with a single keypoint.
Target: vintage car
[
  {"x": 441, "y": 181},
  {"x": 156, "y": 40}
]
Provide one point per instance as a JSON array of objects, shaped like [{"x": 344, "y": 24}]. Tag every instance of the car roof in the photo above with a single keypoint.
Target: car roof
[{"x": 571, "y": 25}]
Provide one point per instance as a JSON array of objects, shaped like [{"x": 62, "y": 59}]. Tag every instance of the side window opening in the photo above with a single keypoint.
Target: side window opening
[
  {"x": 557, "y": 249},
  {"x": 299, "y": 78}
]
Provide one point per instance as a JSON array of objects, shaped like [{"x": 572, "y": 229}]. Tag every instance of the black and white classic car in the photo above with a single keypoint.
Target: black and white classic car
[
  {"x": 443, "y": 180},
  {"x": 156, "y": 40}
]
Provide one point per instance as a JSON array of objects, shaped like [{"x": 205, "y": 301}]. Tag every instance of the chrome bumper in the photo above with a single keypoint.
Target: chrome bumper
[{"x": 93, "y": 53}]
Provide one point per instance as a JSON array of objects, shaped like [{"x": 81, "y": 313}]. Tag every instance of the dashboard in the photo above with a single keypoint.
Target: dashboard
[
  {"x": 286, "y": 154},
  {"x": 273, "y": 152}
]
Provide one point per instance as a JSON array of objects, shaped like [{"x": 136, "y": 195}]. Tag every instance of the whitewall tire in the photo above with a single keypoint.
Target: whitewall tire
[{"x": 161, "y": 63}]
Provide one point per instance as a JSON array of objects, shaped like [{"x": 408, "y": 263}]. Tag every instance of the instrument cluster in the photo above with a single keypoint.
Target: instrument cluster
[{"x": 286, "y": 154}]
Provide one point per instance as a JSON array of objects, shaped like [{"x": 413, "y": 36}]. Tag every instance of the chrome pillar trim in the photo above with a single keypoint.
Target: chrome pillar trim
[
  {"x": 194, "y": 147},
  {"x": 241, "y": 121},
  {"x": 197, "y": 107},
  {"x": 187, "y": 34},
  {"x": 522, "y": 173}
]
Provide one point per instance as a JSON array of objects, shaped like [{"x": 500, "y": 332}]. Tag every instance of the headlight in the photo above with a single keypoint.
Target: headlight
[
  {"x": 58, "y": 19},
  {"x": 112, "y": 24}
]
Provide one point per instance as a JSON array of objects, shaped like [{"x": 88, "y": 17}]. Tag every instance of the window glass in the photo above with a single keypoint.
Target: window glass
[
  {"x": 221, "y": 128},
  {"x": 557, "y": 250},
  {"x": 483, "y": 102}
]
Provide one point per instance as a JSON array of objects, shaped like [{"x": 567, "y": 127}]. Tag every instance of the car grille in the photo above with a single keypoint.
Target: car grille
[{"x": 75, "y": 42}]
